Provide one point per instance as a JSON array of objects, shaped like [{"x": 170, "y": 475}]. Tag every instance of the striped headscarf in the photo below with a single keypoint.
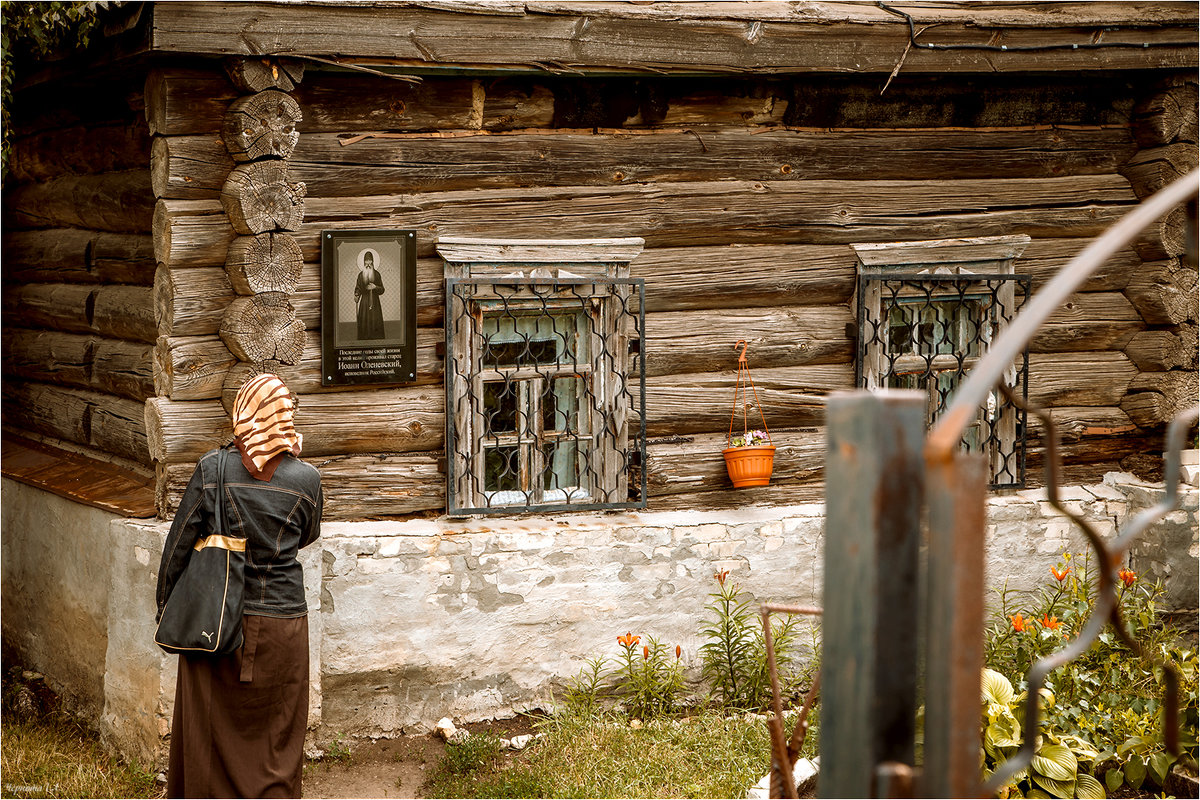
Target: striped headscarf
[{"x": 262, "y": 423}]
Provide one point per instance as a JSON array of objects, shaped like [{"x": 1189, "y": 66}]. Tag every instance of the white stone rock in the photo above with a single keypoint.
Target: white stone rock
[
  {"x": 804, "y": 772},
  {"x": 520, "y": 742},
  {"x": 445, "y": 728}
]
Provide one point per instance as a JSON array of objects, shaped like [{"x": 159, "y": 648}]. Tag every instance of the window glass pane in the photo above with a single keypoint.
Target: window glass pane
[
  {"x": 522, "y": 340},
  {"x": 560, "y": 405},
  {"x": 562, "y": 465},
  {"x": 500, "y": 401},
  {"x": 502, "y": 469}
]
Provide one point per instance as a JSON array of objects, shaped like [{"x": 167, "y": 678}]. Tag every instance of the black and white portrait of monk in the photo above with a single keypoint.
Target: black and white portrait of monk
[{"x": 367, "y": 289}]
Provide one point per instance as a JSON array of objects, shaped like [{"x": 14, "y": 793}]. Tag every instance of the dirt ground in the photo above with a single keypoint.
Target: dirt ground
[{"x": 390, "y": 767}]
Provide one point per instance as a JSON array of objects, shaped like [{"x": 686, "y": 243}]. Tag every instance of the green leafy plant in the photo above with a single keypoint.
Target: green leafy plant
[
  {"x": 1109, "y": 700},
  {"x": 475, "y": 752},
  {"x": 734, "y": 657},
  {"x": 751, "y": 439},
  {"x": 650, "y": 681},
  {"x": 586, "y": 688}
]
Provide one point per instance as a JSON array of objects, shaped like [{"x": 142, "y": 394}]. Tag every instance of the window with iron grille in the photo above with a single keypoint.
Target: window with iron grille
[
  {"x": 927, "y": 312},
  {"x": 545, "y": 390}
]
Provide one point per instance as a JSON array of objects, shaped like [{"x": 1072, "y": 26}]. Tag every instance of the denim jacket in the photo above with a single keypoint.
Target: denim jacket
[{"x": 276, "y": 517}]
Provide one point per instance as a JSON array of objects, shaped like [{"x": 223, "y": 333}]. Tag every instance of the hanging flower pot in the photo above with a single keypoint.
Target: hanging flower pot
[{"x": 750, "y": 457}]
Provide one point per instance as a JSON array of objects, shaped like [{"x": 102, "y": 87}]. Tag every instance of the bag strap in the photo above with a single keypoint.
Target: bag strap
[{"x": 220, "y": 511}]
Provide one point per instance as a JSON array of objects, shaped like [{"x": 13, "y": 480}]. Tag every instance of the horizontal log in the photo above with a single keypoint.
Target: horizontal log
[
  {"x": 584, "y": 40},
  {"x": 191, "y": 367},
  {"x": 786, "y": 336},
  {"x": 71, "y": 255},
  {"x": 120, "y": 202},
  {"x": 685, "y": 464},
  {"x": 263, "y": 327},
  {"x": 1103, "y": 450},
  {"x": 191, "y": 302},
  {"x": 334, "y": 165},
  {"x": 260, "y": 197},
  {"x": 1079, "y": 379},
  {"x": 123, "y": 312},
  {"x": 786, "y": 494},
  {"x": 1075, "y": 423},
  {"x": 1154, "y": 168},
  {"x": 269, "y": 262},
  {"x": 82, "y": 150},
  {"x": 1163, "y": 293},
  {"x": 252, "y": 75},
  {"x": 1155, "y": 398},
  {"x": 703, "y": 402},
  {"x": 375, "y": 421},
  {"x": 107, "y": 423},
  {"x": 1162, "y": 350},
  {"x": 1165, "y": 238},
  {"x": 187, "y": 101},
  {"x": 1089, "y": 321},
  {"x": 192, "y": 233},
  {"x": 81, "y": 360}
]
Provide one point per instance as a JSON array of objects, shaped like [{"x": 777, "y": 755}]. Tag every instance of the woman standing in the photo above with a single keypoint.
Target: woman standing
[
  {"x": 367, "y": 289},
  {"x": 240, "y": 719}
]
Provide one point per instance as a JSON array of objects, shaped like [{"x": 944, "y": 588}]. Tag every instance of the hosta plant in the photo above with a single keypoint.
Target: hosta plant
[{"x": 1061, "y": 765}]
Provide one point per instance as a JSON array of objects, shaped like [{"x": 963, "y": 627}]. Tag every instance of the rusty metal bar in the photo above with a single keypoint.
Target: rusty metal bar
[
  {"x": 875, "y": 486},
  {"x": 957, "y": 492},
  {"x": 944, "y": 438},
  {"x": 783, "y": 781}
]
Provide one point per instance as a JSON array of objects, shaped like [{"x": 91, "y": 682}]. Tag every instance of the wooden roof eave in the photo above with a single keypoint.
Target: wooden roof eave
[{"x": 688, "y": 38}]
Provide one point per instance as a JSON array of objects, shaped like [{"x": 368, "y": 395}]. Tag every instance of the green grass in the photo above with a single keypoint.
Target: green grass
[
  {"x": 55, "y": 757},
  {"x": 706, "y": 755}
]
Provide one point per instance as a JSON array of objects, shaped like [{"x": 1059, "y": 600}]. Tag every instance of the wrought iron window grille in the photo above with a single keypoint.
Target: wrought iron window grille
[
  {"x": 545, "y": 394},
  {"x": 925, "y": 331}
]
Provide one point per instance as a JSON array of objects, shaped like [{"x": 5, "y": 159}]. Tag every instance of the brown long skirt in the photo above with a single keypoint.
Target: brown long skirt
[{"x": 239, "y": 723}]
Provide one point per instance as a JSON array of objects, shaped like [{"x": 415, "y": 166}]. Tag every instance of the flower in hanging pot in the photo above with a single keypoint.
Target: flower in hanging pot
[{"x": 749, "y": 459}]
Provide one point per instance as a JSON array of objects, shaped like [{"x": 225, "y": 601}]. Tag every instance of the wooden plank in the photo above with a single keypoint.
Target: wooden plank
[
  {"x": 703, "y": 402},
  {"x": 80, "y": 150},
  {"x": 1089, "y": 321},
  {"x": 120, "y": 202},
  {"x": 107, "y": 423},
  {"x": 335, "y": 165},
  {"x": 194, "y": 101},
  {"x": 1077, "y": 423},
  {"x": 420, "y": 36},
  {"x": 80, "y": 360},
  {"x": 191, "y": 233},
  {"x": 71, "y": 255},
  {"x": 875, "y": 478},
  {"x": 1079, "y": 379},
  {"x": 688, "y": 464},
  {"x": 785, "y": 336},
  {"x": 75, "y": 476}
]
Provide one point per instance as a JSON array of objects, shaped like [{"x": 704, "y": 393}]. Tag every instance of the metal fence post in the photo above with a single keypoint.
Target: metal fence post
[
  {"x": 956, "y": 489},
  {"x": 874, "y": 477}
]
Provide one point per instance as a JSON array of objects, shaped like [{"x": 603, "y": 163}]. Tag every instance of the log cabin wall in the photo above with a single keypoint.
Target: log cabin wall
[
  {"x": 748, "y": 193},
  {"x": 78, "y": 269}
]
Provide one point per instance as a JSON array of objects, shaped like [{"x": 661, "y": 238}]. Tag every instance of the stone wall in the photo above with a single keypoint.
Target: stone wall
[{"x": 411, "y": 621}]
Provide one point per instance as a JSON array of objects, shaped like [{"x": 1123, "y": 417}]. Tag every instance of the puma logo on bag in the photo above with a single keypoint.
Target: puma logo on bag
[{"x": 207, "y": 635}]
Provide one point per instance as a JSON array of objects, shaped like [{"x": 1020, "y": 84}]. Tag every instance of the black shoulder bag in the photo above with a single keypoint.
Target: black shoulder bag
[{"x": 203, "y": 613}]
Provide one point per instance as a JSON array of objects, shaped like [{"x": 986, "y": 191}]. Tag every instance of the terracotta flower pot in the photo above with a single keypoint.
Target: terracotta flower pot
[{"x": 750, "y": 466}]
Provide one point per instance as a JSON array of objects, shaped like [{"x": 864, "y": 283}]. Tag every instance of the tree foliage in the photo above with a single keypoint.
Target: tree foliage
[{"x": 32, "y": 31}]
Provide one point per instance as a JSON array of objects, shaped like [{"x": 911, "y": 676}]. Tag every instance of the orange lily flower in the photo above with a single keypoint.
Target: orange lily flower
[
  {"x": 678, "y": 651},
  {"x": 1050, "y": 622},
  {"x": 1127, "y": 577},
  {"x": 628, "y": 640},
  {"x": 1019, "y": 623},
  {"x": 645, "y": 653},
  {"x": 1058, "y": 576},
  {"x": 721, "y": 576}
]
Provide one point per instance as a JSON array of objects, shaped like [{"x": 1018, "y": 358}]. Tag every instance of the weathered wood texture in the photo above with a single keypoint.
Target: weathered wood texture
[
  {"x": 1167, "y": 116},
  {"x": 190, "y": 302},
  {"x": 1080, "y": 422},
  {"x": 1154, "y": 168},
  {"x": 1163, "y": 293},
  {"x": 92, "y": 362},
  {"x": 120, "y": 202},
  {"x": 335, "y": 165},
  {"x": 623, "y": 36},
  {"x": 70, "y": 255},
  {"x": 80, "y": 150},
  {"x": 102, "y": 421},
  {"x": 196, "y": 233},
  {"x": 259, "y": 74},
  {"x": 121, "y": 312},
  {"x": 79, "y": 477},
  {"x": 192, "y": 367},
  {"x": 1154, "y": 398},
  {"x": 1161, "y": 350},
  {"x": 261, "y": 125},
  {"x": 1089, "y": 321},
  {"x": 263, "y": 327},
  {"x": 1080, "y": 379},
  {"x": 269, "y": 262},
  {"x": 259, "y": 197},
  {"x": 189, "y": 101}
]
